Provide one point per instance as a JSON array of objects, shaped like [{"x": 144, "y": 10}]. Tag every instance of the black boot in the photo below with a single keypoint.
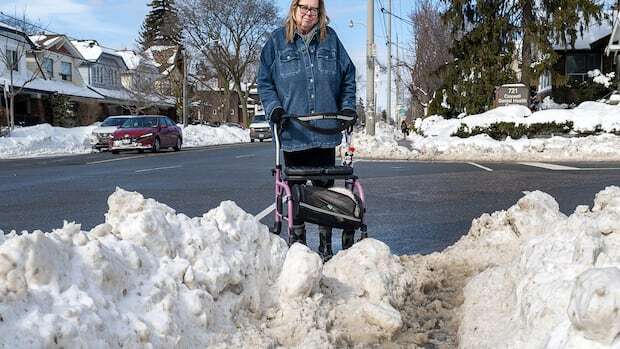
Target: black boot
[
  {"x": 325, "y": 243},
  {"x": 297, "y": 235},
  {"x": 348, "y": 238}
]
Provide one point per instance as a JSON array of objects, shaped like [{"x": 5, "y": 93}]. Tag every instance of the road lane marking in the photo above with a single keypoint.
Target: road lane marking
[
  {"x": 157, "y": 168},
  {"x": 480, "y": 166},
  {"x": 245, "y": 156},
  {"x": 265, "y": 212},
  {"x": 546, "y": 166},
  {"x": 116, "y": 159}
]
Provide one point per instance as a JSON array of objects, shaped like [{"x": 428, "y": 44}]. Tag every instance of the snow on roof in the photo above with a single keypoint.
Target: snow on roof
[
  {"x": 90, "y": 49},
  {"x": 132, "y": 59},
  {"x": 59, "y": 86},
  {"x": 122, "y": 95},
  {"x": 591, "y": 34},
  {"x": 4, "y": 25},
  {"x": 45, "y": 40}
]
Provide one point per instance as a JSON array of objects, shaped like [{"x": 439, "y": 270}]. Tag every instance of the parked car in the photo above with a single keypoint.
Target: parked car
[
  {"x": 148, "y": 132},
  {"x": 259, "y": 128},
  {"x": 100, "y": 136}
]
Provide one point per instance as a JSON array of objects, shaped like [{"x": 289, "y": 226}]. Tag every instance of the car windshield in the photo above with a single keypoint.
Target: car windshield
[
  {"x": 142, "y": 122},
  {"x": 113, "y": 121},
  {"x": 259, "y": 118}
]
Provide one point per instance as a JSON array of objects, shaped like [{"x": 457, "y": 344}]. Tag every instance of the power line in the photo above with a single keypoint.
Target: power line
[{"x": 384, "y": 11}]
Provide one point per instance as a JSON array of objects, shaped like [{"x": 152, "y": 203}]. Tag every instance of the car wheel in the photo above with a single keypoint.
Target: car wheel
[
  {"x": 261, "y": 141},
  {"x": 252, "y": 140},
  {"x": 178, "y": 145},
  {"x": 156, "y": 146},
  {"x": 114, "y": 152}
]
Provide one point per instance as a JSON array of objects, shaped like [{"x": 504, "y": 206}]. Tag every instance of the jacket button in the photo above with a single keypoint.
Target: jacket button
[{"x": 288, "y": 57}]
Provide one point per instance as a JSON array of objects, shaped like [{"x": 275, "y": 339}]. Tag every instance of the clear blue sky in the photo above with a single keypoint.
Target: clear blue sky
[{"x": 116, "y": 23}]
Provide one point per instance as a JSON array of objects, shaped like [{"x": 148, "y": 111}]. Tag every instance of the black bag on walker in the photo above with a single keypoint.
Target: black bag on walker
[{"x": 335, "y": 207}]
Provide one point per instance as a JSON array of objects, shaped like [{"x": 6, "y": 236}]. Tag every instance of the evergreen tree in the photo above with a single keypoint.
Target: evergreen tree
[
  {"x": 488, "y": 32},
  {"x": 161, "y": 25}
]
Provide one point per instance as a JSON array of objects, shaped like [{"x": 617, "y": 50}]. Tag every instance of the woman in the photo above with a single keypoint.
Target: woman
[{"x": 304, "y": 69}]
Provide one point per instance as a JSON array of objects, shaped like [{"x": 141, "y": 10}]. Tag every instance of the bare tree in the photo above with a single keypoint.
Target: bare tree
[
  {"x": 144, "y": 85},
  {"x": 230, "y": 34},
  {"x": 14, "y": 47},
  {"x": 431, "y": 50}
]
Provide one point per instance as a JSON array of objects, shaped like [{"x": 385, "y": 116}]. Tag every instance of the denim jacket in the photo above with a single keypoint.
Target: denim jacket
[{"x": 304, "y": 79}]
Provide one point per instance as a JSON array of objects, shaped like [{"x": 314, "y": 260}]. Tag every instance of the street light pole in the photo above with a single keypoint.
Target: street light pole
[{"x": 370, "y": 69}]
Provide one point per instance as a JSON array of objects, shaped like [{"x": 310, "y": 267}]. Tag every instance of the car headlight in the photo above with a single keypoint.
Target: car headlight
[{"x": 145, "y": 135}]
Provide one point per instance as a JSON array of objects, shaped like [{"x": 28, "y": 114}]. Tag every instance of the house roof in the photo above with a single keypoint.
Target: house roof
[
  {"x": 591, "y": 34},
  {"x": 54, "y": 86},
  {"x": 7, "y": 28},
  {"x": 613, "y": 46},
  {"x": 53, "y": 42},
  {"x": 91, "y": 50}
]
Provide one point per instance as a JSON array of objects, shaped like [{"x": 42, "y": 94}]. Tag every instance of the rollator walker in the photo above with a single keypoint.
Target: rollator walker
[{"x": 336, "y": 207}]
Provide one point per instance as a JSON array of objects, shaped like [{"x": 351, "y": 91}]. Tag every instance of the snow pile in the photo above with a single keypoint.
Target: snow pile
[
  {"x": 45, "y": 140},
  {"x": 201, "y": 135},
  {"x": 545, "y": 280},
  {"x": 150, "y": 276},
  {"x": 549, "y": 103},
  {"x": 527, "y": 277},
  {"x": 438, "y": 144}
]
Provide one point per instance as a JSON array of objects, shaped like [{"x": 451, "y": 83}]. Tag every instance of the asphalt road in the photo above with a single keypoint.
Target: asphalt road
[{"x": 414, "y": 207}]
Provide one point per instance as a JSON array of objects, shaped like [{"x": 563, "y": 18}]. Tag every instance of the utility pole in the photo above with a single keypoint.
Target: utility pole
[
  {"x": 398, "y": 97},
  {"x": 389, "y": 63},
  {"x": 184, "y": 88},
  {"x": 370, "y": 69}
]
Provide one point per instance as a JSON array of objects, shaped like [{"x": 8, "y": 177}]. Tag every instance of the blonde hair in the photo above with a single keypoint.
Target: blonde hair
[{"x": 291, "y": 26}]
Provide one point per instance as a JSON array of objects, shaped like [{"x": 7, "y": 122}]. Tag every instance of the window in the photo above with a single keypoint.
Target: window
[
  {"x": 66, "y": 71},
  {"x": 13, "y": 62},
  {"x": 579, "y": 64},
  {"x": 48, "y": 67}
]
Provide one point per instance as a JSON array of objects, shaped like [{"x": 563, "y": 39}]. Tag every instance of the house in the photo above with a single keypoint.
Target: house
[
  {"x": 146, "y": 86},
  {"x": 102, "y": 71},
  {"x": 14, "y": 44},
  {"x": 574, "y": 63},
  {"x": 46, "y": 67},
  {"x": 613, "y": 47},
  {"x": 59, "y": 61}
]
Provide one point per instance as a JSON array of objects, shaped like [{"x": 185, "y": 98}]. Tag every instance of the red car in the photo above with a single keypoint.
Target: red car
[{"x": 152, "y": 132}]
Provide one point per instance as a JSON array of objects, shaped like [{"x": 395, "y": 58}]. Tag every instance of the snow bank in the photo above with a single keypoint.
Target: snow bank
[
  {"x": 46, "y": 140},
  {"x": 541, "y": 279},
  {"x": 437, "y": 144},
  {"x": 202, "y": 135},
  {"x": 526, "y": 277},
  {"x": 150, "y": 276}
]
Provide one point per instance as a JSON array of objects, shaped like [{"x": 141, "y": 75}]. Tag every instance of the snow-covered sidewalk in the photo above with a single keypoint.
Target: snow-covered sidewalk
[
  {"x": 527, "y": 277},
  {"x": 437, "y": 143}
]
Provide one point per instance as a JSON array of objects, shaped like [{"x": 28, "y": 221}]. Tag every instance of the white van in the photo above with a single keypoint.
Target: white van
[{"x": 259, "y": 128}]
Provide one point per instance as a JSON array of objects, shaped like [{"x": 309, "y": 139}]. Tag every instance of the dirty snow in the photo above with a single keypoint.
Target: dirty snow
[{"x": 526, "y": 277}]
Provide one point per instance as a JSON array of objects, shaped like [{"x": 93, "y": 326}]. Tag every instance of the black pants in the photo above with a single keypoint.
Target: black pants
[{"x": 315, "y": 157}]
